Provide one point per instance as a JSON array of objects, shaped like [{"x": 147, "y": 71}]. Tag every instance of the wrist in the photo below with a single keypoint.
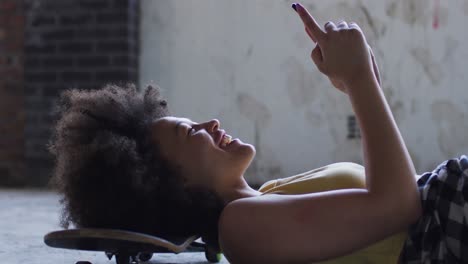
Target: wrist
[{"x": 360, "y": 82}]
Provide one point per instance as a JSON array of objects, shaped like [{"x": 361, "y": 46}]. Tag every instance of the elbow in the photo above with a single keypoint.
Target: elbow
[
  {"x": 409, "y": 209},
  {"x": 404, "y": 208},
  {"x": 414, "y": 212}
]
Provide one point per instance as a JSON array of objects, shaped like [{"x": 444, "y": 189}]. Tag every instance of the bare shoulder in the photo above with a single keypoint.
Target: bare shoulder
[
  {"x": 238, "y": 208},
  {"x": 242, "y": 206}
]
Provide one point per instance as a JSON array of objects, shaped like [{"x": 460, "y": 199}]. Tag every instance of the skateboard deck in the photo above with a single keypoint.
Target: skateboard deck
[{"x": 126, "y": 246}]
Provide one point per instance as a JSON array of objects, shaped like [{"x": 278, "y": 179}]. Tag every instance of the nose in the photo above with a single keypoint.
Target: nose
[{"x": 211, "y": 126}]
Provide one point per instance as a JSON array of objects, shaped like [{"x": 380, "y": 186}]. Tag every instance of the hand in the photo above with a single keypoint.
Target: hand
[
  {"x": 342, "y": 52},
  {"x": 340, "y": 86}
]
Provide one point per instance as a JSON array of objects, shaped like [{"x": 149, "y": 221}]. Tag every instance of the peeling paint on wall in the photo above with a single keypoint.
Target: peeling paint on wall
[{"x": 252, "y": 66}]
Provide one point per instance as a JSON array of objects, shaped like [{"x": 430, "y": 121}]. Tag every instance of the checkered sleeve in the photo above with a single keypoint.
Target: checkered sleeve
[{"x": 441, "y": 234}]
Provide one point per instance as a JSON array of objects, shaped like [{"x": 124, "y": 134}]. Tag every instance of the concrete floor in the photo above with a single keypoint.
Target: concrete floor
[{"x": 26, "y": 216}]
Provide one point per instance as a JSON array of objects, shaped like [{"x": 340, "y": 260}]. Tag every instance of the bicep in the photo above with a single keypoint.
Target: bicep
[{"x": 310, "y": 227}]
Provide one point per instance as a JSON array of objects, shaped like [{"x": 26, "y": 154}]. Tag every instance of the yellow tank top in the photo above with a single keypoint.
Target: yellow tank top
[{"x": 341, "y": 175}]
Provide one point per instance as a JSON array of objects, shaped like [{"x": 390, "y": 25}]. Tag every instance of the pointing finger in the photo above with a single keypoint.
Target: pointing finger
[
  {"x": 310, "y": 22},
  {"x": 310, "y": 35}
]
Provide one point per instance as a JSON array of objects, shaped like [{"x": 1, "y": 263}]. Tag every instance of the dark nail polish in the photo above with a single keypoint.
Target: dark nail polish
[{"x": 294, "y": 6}]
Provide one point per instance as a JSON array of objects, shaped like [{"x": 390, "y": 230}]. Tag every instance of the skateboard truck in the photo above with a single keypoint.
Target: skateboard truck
[
  {"x": 127, "y": 258},
  {"x": 127, "y": 247}
]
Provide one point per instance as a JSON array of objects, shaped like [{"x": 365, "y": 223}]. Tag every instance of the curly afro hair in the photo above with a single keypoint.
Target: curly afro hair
[{"x": 111, "y": 175}]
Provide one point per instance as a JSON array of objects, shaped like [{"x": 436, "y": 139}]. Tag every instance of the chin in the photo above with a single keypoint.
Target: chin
[
  {"x": 244, "y": 153},
  {"x": 251, "y": 149},
  {"x": 248, "y": 152}
]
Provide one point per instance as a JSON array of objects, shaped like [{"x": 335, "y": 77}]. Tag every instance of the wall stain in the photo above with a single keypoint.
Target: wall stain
[
  {"x": 299, "y": 82},
  {"x": 452, "y": 127},
  {"x": 369, "y": 20},
  {"x": 162, "y": 15},
  {"x": 249, "y": 52},
  {"x": 451, "y": 48},
  {"x": 415, "y": 12},
  {"x": 372, "y": 26},
  {"x": 412, "y": 12},
  {"x": 391, "y": 9},
  {"x": 430, "y": 67},
  {"x": 443, "y": 16},
  {"x": 314, "y": 118},
  {"x": 264, "y": 167},
  {"x": 253, "y": 109}
]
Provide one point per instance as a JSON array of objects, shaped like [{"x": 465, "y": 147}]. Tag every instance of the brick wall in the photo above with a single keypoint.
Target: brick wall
[
  {"x": 11, "y": 93},
  {"x": 71, "y": 43}
]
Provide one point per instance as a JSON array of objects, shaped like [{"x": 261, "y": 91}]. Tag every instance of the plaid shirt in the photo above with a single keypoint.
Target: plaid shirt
[{"x": 441, "y": 234}]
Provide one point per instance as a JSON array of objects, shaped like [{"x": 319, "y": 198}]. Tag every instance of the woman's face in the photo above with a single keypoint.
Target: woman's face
[{"x": 197, "y": 149}]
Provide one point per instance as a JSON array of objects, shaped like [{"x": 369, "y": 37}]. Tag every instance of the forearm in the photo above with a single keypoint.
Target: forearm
[{"x": 389, "y": 168}]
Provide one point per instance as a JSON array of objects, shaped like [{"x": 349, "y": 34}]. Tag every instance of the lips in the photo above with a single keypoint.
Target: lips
[
  {"x": 222, "y": 139},
  {"x": 219, "y": 140}
]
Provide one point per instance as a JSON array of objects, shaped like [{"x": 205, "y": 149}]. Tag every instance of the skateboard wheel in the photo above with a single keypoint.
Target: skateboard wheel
[
  {"x": 123, "y": 259},
  {"x": 212, "y": 255},
  {"x": 109, "y": 255},
  {"x": 145, "y": 256}
]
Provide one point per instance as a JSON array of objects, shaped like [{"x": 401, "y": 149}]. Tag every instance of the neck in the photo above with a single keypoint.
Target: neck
[{"x": 239, "y": 190}]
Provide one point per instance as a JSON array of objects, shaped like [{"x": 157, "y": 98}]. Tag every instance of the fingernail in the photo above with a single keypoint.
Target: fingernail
[{"x": 294, "y": 6}]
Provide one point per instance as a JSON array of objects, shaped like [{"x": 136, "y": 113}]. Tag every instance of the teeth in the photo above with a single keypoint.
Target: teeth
[{"x": 226, "y": 140}]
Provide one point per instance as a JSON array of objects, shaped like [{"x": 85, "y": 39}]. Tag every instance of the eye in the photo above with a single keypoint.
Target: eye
[{"x": 190, "y": 131}]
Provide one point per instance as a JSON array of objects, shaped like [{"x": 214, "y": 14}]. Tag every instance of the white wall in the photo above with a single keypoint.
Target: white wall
[{"x": 247, "y": 63}]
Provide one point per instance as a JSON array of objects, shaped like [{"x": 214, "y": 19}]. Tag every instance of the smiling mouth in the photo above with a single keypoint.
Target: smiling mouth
[{"x": 225, "y": 140}]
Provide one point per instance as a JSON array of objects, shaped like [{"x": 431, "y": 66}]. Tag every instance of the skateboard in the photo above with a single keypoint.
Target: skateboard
[{"x": 126, "y": 246}]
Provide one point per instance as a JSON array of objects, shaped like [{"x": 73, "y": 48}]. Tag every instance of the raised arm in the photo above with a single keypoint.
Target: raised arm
[
  {"x": 313, "y": 227},
  {"x": 342, "y": 53}
]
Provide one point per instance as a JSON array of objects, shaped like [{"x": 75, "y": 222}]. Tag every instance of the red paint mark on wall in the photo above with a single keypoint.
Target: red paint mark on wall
[{"x": 435, "y": 19}]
